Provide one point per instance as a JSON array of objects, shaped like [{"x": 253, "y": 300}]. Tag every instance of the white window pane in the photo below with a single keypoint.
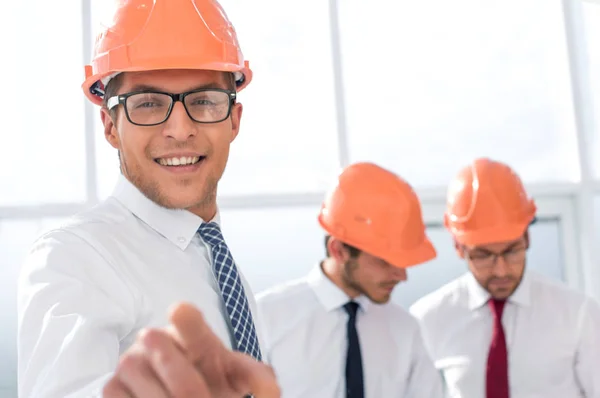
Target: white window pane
[
  {"x": 591, "y": 13},
  {"x": 16, "y": 238},
  {"x": 42, "y": 150},
  {"x": 430, "y": 85},
  {"x": 287, "y": 141},
  {"x": 544, "y": 255},
  {"x": 597, "y": 219},
  {"x": 107, "y": 162},
  {"x": 272, "y": 246}
]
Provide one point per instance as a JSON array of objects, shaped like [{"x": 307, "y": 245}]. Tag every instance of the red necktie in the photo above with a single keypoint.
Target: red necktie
[{"x": 497, "y": 365}]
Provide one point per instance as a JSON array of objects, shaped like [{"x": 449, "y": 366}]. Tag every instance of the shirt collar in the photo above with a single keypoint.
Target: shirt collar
[
  {"x": 329, "y": 294},
  {"x": 522, "y": 295},
  {"x": 177, "y": 225},
  {"x": 478, "y": 296}
]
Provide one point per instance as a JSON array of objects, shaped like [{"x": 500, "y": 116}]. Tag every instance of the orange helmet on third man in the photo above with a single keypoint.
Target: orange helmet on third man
[{"x": 487, "y": 203}]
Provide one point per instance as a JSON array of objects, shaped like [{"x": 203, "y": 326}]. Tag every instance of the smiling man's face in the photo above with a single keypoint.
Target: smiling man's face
[{"x": 178, "y": 163}]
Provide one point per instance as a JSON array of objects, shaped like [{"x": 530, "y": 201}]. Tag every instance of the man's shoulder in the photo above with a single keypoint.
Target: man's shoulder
[
  {"x": 397, "y": 314},
  {"x": 107, "y": 213},
  {"x": 105, "y": 219},
  {"x": 75, "y": 253},
  {"x": 84, "y": 235},
  {"x": 555, "y": 291},
  {"x": 442, "y": 298},
  {"x": 283, "y": 292},
  {"x": 283, "y": 305}
]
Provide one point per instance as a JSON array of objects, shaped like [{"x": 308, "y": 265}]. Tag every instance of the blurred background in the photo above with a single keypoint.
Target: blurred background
[{"x": 420, "y": 88}]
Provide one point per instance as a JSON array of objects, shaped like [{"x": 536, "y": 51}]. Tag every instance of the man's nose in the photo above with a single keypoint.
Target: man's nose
[
  {"x": 500, "y": 268},
  {"x": 399, "y": 274},
  {"x": 179, "y": 125}
]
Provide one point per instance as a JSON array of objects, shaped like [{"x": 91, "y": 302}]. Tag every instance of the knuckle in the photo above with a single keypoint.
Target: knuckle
[
  {"x": 112, "y": 389},
  {"x": 153, "y": 339},
  {"x": 164, "y": 357},
  {"x": 185, "y": 389},
  {"x": 129, "y": 363}
]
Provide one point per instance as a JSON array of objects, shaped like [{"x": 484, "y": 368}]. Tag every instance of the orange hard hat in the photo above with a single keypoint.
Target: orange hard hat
[
  {"x": 487, "y": 203},
  {"x": 377, "y": 212},
  {"x": 165, "y": 34}
]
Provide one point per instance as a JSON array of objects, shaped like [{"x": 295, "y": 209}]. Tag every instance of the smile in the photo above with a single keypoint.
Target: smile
[{"x": 179, "y": 161}]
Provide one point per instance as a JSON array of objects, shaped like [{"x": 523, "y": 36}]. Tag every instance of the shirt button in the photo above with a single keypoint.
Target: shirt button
[{"x": 181, "y": 239}]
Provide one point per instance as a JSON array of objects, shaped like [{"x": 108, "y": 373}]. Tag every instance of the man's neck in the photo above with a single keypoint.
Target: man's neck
[
  {"x": 333, "y": 271},
  {"x": 205, "y": 212}
]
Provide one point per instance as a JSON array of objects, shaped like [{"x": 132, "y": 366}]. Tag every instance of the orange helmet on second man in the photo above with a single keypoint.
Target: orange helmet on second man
[
  {"x": 487, "y": 203},
  {"x": 377, "y": 212},
  {"x": 165, "y": 34}
]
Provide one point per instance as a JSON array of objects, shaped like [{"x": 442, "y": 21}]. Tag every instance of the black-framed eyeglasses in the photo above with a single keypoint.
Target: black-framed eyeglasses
[
  {"x": 513, "y": 256},
  {"x": 150, "y": 108}
]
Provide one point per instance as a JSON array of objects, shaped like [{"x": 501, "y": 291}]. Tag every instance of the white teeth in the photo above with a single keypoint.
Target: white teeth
[{"x": 182, "y": 161}]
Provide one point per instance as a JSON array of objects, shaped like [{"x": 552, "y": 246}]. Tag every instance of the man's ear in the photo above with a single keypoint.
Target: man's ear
[
  {"x": 110, "y": 131},
  {"x": 460, "y": 249},
  {"x": 236, "y": 118},
  {"x": 337, "y": 250}
]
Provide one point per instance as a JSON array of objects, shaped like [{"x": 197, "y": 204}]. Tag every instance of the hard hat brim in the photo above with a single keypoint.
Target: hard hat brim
[
  {"x": 218, "y": 67},
  {"x": 505, "y": 233}
]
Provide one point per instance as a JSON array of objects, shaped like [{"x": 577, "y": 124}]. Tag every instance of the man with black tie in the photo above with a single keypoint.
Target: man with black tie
[{"x": 335, "y": 333}]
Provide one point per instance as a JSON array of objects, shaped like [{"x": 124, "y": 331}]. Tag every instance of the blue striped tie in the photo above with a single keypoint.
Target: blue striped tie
[{"x": 232, "y": 291}]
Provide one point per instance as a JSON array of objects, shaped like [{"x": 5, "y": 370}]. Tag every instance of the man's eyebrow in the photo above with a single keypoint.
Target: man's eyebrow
[
  {"x": 149, "y": 87},
  {"x": 514, "y": 245},
  {"x": 479, "y": 250}
]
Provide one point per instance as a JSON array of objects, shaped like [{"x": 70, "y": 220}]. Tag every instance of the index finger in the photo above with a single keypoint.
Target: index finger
[
  {"x": 242, "y": 371},
  {"x": 193, "y": 333}
]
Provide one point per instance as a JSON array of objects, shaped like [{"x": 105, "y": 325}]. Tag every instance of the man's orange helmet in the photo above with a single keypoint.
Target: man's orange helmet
[
  {"x": 487, "y": 203},
  {"x": 165, "y": 34},
  {"x": 377, "y": 212}
]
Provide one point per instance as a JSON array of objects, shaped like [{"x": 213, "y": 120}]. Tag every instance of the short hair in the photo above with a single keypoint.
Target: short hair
[{"x": 112, "y": 88}]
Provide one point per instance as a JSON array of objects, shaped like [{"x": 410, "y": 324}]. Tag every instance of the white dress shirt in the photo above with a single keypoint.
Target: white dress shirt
[
  {"x": 88, "y": 287},
  {"x": 305, "y": 333},
  {"x": 552, "y": 335}
]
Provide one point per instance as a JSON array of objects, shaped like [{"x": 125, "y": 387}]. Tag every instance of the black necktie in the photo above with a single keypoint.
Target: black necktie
[{"x": 354, "y": 372}]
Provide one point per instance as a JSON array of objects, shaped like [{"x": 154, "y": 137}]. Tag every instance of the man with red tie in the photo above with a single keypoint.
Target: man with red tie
[{"x": 502, "y": 330}]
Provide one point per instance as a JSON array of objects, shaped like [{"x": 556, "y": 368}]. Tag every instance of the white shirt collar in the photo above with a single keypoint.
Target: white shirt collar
[
  {"x": 177, "y": 225},
  {"x": 329, "y": 294},
  {"x": 478, "y": 296}
]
